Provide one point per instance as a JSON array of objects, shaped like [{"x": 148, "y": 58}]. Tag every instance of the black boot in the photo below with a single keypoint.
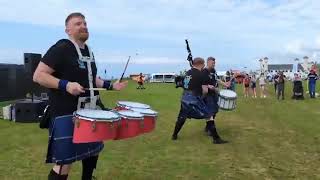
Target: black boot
[
  {"x": 88, "y": 166},
  {"x": 180, "y": 122},
  {"x": 214, "y": 133},
  {"x": 55, "y": 176},
  {"x": 206, "y": 129}
]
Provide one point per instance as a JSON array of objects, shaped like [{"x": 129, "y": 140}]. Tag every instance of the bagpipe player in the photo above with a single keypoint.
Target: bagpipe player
[{"x": 193, "y": 105}]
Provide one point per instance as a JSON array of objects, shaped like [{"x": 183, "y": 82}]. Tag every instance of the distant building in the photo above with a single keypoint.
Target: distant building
[
  {"x": 280, "y": 67},
  {"x": 300, "y": 68}
]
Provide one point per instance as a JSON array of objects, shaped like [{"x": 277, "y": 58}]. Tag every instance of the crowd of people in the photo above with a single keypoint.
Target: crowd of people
[{"x": 279, "y": 80}]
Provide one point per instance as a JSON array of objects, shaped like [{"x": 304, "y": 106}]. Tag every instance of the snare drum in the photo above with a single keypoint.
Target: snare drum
[
  {"x": 126, "y": 105},
  {"x": 94, "y": 125},
  {"x": 149, "y": 119},
  {"x": 131, "y": 124},
  {"x": 227, "y": 99}
]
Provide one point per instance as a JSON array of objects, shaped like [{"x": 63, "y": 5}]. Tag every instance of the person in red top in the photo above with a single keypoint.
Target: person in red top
[
  {"x": 140, "y": 82},
  {"x": 246, "y": 84}
]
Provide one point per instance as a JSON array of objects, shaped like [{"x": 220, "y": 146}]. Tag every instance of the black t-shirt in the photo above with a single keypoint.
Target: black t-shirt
[
  {"x": 281, "y": 79},
  {"x": 193, "y": 81},
  {"x": 63, "y": 58},
  {"x": 210, "y": 78},
  {"x": 275, "y": 78},
  {"x": 228, "y": 78}
]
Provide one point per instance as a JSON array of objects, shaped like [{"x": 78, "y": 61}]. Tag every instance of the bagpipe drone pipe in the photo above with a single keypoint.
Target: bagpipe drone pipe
[{"x": 179, "y": 80}]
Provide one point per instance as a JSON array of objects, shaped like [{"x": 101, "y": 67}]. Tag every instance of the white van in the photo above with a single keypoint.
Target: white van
[{"x": 162, "y": 77}]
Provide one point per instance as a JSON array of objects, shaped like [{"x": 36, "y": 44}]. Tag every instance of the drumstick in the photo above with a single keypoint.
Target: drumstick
[
  {"x": 95, "y": 89},
  {"x": 125, "y": 68}
]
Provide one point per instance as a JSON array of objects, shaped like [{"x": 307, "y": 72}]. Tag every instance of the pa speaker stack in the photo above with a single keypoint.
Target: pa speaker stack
[
  {"x": 31, "y": 61},
  {"x": 28, "y": 110}
]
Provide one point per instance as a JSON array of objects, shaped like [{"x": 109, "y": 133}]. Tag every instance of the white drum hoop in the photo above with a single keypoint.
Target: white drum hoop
[
  {"x": 128, "y": 114},
  {"x": 222, "y": 94},
  {"x": 97, "y": 115},
  {"x": 131, "y": 104},
  {"x": 146, "y": 112}
]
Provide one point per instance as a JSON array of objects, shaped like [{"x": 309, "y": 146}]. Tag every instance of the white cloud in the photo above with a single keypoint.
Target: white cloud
[
  {"x": 266, "y": 28},
  {"x": 295, "y": 47},
  {"x": 146, "y": 60},
  {"x": 174, "y": 15},
  {"x": 317, "y": 42},
  {"x": 11, "y": 56}
]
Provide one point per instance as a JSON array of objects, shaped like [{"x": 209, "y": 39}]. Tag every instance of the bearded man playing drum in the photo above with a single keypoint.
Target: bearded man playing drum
[
  {"x": 65, "y": 70},
  {"x": 211, "y": 99}
]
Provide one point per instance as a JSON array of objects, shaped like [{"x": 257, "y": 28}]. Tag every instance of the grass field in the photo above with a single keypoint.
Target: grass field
[{"x": 269, "y": 139}]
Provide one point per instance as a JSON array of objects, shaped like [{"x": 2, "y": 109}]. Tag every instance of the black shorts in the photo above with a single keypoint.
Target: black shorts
[
  {"x": 246, "y": 85},
  {"x": 253, "y": 85}
]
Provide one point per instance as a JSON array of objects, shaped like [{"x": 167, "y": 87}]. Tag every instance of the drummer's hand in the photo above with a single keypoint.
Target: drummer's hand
[
  {"x": 227, "y": 84},
  {"x": 74, "y": 88},
  {"x": 119, "y": 85},
  {"x": 211, "y": 87}
]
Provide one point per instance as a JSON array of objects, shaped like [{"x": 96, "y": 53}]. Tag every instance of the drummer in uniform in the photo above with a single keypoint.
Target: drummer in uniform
[
  {"x": 66, "y": 69},
  {"x": 211, "y": 100}
]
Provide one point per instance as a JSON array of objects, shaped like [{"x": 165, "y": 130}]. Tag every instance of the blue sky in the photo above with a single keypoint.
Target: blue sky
[{"x": 236, "y": 32}]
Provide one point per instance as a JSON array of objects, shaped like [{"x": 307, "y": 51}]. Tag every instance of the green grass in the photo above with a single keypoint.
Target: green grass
[{"x": 269, "y": 139}]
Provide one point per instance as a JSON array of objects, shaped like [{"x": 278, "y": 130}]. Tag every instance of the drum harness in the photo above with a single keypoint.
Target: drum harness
[{"x": 87, "y": 102}]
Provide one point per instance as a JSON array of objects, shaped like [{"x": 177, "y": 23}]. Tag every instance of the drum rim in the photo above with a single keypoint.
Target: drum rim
[
  {"x": 232, "y": 98},
  {"x": 97, "y": 119},
  {"x": 124, "y": 105},
  {"x": 116, "y": 118},
  {"x": 227, "y": 109},
  {"x": 128, "y": 116},
  {"x": 145, "y": 113},
  {"x": 235, "y": 97}
]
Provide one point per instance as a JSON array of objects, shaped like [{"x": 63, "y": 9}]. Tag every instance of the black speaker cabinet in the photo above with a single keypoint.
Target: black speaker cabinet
[
  {"x": 31, "y": 61},
  {"x": 28, "y": 111},
  {"x": 13, "y": 82}
]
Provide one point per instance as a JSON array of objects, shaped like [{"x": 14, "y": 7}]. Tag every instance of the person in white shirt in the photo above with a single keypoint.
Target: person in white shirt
[{"x": 262, "y": 83}]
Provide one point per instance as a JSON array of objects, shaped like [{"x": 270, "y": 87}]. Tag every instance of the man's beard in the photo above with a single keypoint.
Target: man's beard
[{"x": 83, "y": 37}]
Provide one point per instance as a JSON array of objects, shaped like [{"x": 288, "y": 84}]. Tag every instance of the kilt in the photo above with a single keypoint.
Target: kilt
[
  {"x": 194, "y": 106},
  {"x": 211, "y": 102},
  {"x": 61, "y": 149}
]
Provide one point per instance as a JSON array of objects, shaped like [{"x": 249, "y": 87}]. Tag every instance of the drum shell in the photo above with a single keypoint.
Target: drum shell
[
  {"x": 86, "y": 130},
  {"x": 149, "y": 118},
  {"x": 227, "y": 103},
  {"x": 129, "y": 127},
  {"x": 149, "y": 122}
]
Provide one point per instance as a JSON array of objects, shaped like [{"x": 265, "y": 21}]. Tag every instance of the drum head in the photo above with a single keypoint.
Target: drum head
[
  {"x": 130, "y": 114},
  {"x": 98, "y": 115},
  {"x": 131, "y": 104},
  {"x": 144, "y": 111},
  {"x": 227, "y": 93}
]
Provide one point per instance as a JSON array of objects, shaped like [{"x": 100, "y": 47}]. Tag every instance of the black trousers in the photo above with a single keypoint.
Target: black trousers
[
  {"x": 180, "y": 121},
  {"x": 280, "y": 91},
  {"x": 88, "y": 165}
]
